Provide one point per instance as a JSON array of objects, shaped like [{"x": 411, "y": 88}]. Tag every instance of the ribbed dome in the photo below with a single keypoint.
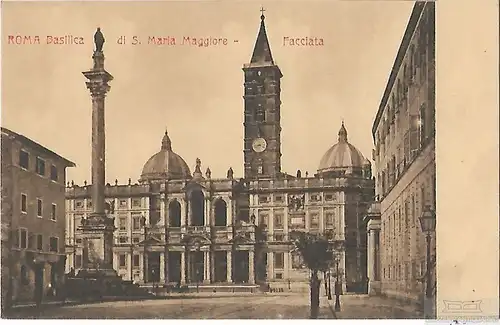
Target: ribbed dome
[
  {"x": 165, "y": 164},
  {"x": 342, "y": 155}
]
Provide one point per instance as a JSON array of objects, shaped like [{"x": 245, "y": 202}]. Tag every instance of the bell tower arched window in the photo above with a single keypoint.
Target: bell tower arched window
[
  {"x": 174, "y": 214},
  {"x": 197, "y": 203},
  {"x": 220, "y": 212},
  {"x": 260, "y": 114}
]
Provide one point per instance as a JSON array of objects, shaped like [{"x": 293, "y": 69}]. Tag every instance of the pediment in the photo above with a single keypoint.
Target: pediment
[
  {"x": 193, "y": 185},
  {"x": 241, "y": 239},
  {"x": 197, "y": 240},
  {"x": 151, "y": 240}
]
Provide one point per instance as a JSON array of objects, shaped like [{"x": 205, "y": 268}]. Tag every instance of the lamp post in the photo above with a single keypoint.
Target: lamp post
[
  {"x": 428, "y": 225},
  {"x": 329, "y": 286},
  {"x": 338, "y": 285}
]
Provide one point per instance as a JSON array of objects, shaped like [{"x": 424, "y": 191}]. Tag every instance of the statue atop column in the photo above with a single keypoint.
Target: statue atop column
[{"x": 99, "y": 40}]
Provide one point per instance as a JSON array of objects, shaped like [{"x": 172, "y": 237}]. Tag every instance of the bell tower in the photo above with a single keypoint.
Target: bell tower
[{"x": 262, "y": 134}]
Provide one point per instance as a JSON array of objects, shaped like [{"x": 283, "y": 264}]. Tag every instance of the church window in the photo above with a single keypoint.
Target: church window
[
  {"x": 260, "y": 169},
  {"x": 136, "y": 203},
  {"x": 314, "y": 221},
  {"x": 260, "y": 114},
  {"x": 278, "y": 221},
  {"x": 136, "y": 260},
  {"x": 330, "y": 219},
  {"x": 296, "y": 260},
  {"x": 123, "y": 240},
  {"x": 278, "y": 198},
  {"x": 220, "y": 212},
  {"x": 279, "y": 260},
  {"x": 263, "y": 199},
  {"x": 123, "y": 203},
  {"x": 136, "y": 222},
  {"x": 197, "y": 208},
  {"x": 123, "y": 260},
  {"x": 315, "y": 197},
  {"x": 263, "y": 220},
  {"x": 122, "y": 223},
  {"x": 79, "y": 204},
  {"x": 174, "y": 213}
]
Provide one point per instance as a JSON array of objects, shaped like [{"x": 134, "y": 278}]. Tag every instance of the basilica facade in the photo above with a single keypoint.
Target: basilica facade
[{"x": 175, "y": 226}]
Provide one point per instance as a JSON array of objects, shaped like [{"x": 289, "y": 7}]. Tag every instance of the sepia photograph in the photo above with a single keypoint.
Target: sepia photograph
[{"x": 220, "y": 160}]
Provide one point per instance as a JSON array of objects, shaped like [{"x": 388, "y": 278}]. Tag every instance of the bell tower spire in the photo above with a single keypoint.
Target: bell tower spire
[
  {"x": 262, "y": 129},
  {"x": 262, "y": 50}
]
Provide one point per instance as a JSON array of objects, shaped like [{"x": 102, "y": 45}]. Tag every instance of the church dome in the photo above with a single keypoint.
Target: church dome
[
  {"x": 342, "y": 156},
  {"x": 165, "y": 164}
]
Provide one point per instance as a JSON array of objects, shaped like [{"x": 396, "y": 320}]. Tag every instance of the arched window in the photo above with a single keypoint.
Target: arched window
[
  {"x": 174, "y": 213},
  {"x": 197, "y": 208},
  {"x": 220, "y": 212},
  {"x": 260, "y": 115}
]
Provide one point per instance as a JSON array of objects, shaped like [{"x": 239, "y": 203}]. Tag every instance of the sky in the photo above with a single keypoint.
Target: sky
[{"x": 196, "y": 92}]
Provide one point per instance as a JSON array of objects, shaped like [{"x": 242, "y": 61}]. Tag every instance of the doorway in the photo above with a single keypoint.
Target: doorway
[
  {"x": 240, "y": 273},
  {"x": 153, "y": 267},
  {"x": 220, "y": 269},
  {"x": 39, "y": 272},
  {"x": 197, "y": 266},
  {"x": 174, "y": 267}
]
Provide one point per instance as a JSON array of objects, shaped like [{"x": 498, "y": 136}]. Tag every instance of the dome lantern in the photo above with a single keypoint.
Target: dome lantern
[
  {"x": 342, "y": 158},
  {"x": 165, "y": 164}
]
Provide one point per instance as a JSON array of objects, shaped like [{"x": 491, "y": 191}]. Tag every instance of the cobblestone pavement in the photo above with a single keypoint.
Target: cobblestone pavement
[
  {"x": 369, "y": 307},
  {"x": 250, "y": 306}
]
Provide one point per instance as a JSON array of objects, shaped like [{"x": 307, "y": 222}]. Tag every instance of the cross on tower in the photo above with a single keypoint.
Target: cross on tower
[{"x": 262, "y": 11}]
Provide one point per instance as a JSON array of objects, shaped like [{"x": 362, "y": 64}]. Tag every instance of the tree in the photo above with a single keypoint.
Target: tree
[{"x": 317, "y": 256}]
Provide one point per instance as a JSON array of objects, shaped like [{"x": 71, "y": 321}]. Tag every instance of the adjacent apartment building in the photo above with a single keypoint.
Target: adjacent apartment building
[
  {"x": 33, "y": 217},
  {"x": 404, "y": 155}
]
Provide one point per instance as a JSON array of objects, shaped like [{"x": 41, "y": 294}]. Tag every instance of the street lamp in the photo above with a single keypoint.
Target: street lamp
[
  {"x": 329, "y": 290},
  {"x": 428, "y": 224},
  {"x": 338, "y": 284}
]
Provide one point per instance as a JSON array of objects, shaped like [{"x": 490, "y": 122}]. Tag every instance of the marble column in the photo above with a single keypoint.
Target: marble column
[
  {"x": 229, "y": 266},
  {"x": 162, "y": 267},
  {"x": 183, "y": 268},
  {"x": 99, "y": 230},
  {"x": 206, "y": 267},
  {"x": 251, "y": 267}
]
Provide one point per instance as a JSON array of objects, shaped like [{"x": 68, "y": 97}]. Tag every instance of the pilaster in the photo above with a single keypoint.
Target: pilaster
[{"x": 270, "y": 265}]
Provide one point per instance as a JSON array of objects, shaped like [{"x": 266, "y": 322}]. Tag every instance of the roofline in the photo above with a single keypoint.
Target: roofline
[
  {"x": 403, "y": 48},
  {"x": 32, "y": 143}
]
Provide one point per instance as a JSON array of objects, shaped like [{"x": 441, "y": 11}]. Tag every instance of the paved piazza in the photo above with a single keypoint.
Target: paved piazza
[{"x": 249, "y": 306}]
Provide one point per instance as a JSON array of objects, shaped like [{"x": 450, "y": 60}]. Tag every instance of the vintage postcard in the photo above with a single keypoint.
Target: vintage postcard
[{"x": 248, "y": 160}]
